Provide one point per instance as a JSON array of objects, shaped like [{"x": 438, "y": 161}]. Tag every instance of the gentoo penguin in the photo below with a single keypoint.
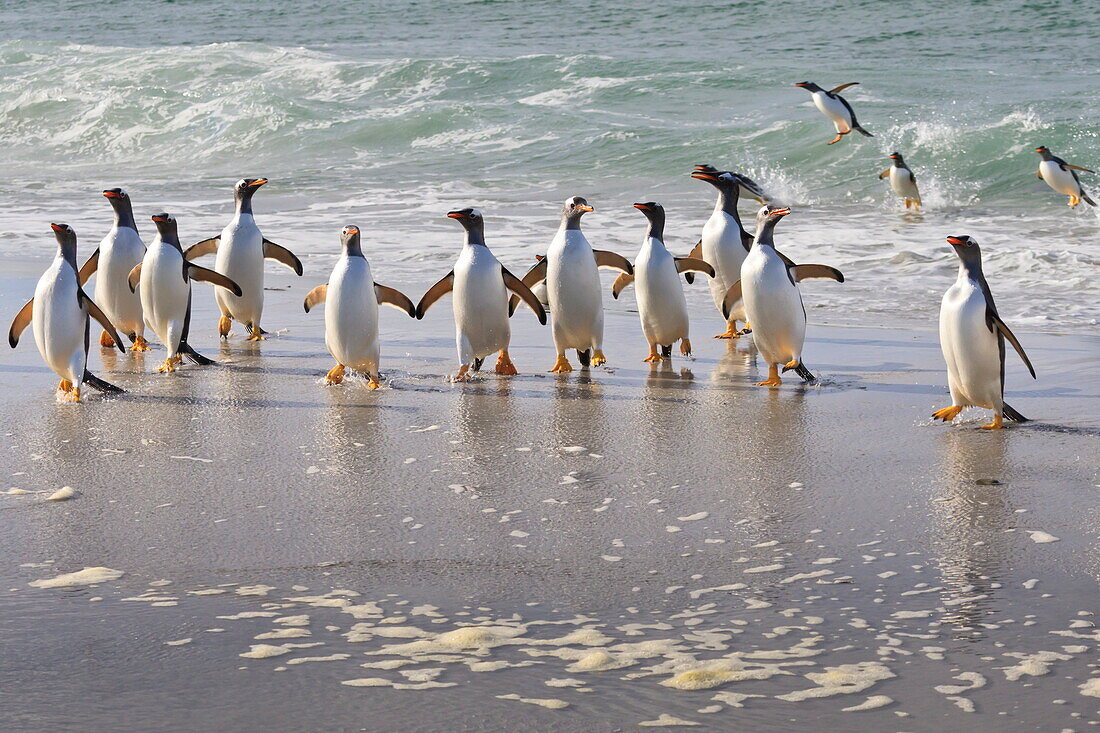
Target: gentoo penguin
[
  {"x": 351, "y": 298},
  {"x": 165, "y": 277},
  {"x": 749, "y": 187},
  {"x": 117, "y": 254},
  {"x": 902, "y": 181},
  {"x": 1062, "y": 177},
  {"x": 836, "y": 108},
  {"x": 480, "y": 284},
  {"x": 241, "y": 250},
  {"x": 724, "y": 244},
  {"x": 662, "y": 307},
  {"x": 59, "y": 313},
  {"x": 972, "y": 337},
  {"x": 773, "y": 303},
  {"x": 570, "y": 270}
]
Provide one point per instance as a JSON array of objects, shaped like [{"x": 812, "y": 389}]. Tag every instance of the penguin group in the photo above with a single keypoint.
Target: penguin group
[{"x": 142, "y": 290}]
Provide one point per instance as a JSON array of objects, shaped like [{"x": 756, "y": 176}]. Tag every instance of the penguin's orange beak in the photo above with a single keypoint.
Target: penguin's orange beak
[
  {"x": 584, "y": 207},
  {"x": 1039, "y": 150},
  {"x": 57, "y": 227},
  {"x": 159, "y": 219},
  {"x": 780, "y": 212},
  {"x": 456, "y": 215},
  {"x": 956, "y": 241},
  {"x": 800, "y": 84},
  {"x": 641, "y": 207},
  {"x": 352, "y": 230},
  {"x": 111, "y": 195},
  {"x": 703, "y": 176},
  {"x": 257, "y": 182}
]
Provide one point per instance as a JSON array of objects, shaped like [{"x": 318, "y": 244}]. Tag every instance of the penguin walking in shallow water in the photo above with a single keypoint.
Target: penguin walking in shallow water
[
  {"x": 662, "y": 307},
  {"x": 972, "y": 337},
  {"x": 571, "y": 272},
  {"x": 165, "y": 277},
  {"x": 1062, "y": 177},
  {"x": 902, "y": 181},
  {"x": 769, "y": 289},
  {"x": 59, "y": 315},
  {"x": 241, "y": 249},
  {"x": 351, "y": 298},
  {"x": 117, "y": 254},
  {"x": 836, "y": 108},
  {"x": 480, "y": 284}
]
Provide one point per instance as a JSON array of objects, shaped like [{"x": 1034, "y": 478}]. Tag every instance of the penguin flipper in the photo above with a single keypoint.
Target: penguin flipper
[
  {"x": 195, "y": 272},
  {"x": 201, "y": 249},
  {"x": 732, "y": 296},
  {"x": 612, "y": 260},
  {"x": 1085, "y": 197},
  {"x": 697, "y": 253},
  {"x": 20, "y": 322},
  {"x": 516, "y": 285},
  {"x": 1012, "y": 413},
  {"x": 434, "y": 293},
  {"x": 89, "y": 267},
  {"x": 620, "y": 284},
  {"x": 283, "y": 255},
  {"x": 317, "y": 295},
  {"x": 134, "y": 277},
  {"x": 842, "y": 87},
  {"x": 99, "y": 315},
  {"x": 187, "y": 350},
  {"x": 533, "y": 277},
  {"x": 1078, "y": 168},
  {"x": 685, "y": 264},
  {"x": 884, "y": 174},
  {"x": 859, "y": 128},
  {"x": 98, "y": 384},
  {"x": 1011, "y": 338},
  {"x": 823, "y": 272},
  {"x": 390, "y": 296}
]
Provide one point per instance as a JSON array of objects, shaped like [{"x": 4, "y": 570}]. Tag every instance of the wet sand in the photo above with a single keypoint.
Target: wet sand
[{"x": 633, "y": 542}]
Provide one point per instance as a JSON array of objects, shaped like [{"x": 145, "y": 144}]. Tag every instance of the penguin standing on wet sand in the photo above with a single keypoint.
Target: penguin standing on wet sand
[
  {"x": 571, "y": 272},
  {"x": 972, "y": 337},
  {"x": 662, "y": 308},
  {"x": 351, "y": 298},
  {"x": 769, "y": 288},
  {"x": 902, "y": 181},
  {"x": 1062, "y": 177},
  {"x": 117, "y": 254},
  {"x": 241, "y": 249},
  {"x": 480, "y": 284},
  {"x": 59, "y": 314},
  {"x": 165, "y": 278},
  {"x": 836, "y": 108}
]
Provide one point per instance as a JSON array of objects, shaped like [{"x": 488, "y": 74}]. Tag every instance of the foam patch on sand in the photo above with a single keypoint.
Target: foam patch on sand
[{"x": 87, "y": 576}]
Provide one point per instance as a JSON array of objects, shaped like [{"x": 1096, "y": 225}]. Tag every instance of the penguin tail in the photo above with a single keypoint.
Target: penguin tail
[
  {"x": 801, "y": 370},
  {"x": 584, "y": 357},
  {"x": 187, "y": 350},
  {"x": 1086, "y": 199},
  {"x": 477, "y": 364},
  {"x": 98, "y": 384},
  {"x": 862, "y": 131},
  {"x": 1012, "y": 414}
]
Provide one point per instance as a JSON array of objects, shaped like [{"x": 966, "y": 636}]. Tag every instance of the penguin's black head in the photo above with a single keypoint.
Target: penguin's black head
[
  {"x": 166, "y": 225},
  {"x": 246, "y": 187},
  {"x": 1044, "y": 151},
  {"x": 769, "y": 216},
  {"x": 468, "y": 218},
  {"x": 809, "y": 86},
  {"x": 575, "y": 207},
  {"x": 895, "y": 156},
  {"x": 349, "y": 235},
  {"x": 116, "y": 194},
  {"x": 722, "y": 180},
  {"x": 965, "y": 246},
  {"x": 66, "y": 236}
]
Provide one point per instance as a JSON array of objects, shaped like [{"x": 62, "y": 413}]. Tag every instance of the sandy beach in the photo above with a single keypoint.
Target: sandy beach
[{"x": 625, "y": 547}]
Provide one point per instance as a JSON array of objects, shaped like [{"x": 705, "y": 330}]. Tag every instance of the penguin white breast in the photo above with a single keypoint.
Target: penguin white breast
[
  {"x": 241, "y": 258},
  {"x": 970, "y": 349},
  {"x": 901, "y": 180},
  {"x": 164, "y": 293},
  {"x": 722, "y": 250},
  {"x": 662, "y": 307},
  {"x": 351, "y": 315},
  {"x": 835, "y": 110},
  {"x": 573, "y": 288},
  {"x": 119, "y": 252},
  {"x": 59, "y": 322},
  {"x": 480, "y": 301},
  {"x": 1058, "y": 179},
  {"x": 773, "y": 305}
]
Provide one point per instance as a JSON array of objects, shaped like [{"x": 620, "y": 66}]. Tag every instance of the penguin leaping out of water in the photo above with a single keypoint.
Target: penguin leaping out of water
[
  {"x": 59, "y": 314},
  {"x": 749, "y": 187},
  {"x": 972, "y": 337},
  {"x": 902, "y": 181},
  {"x": 571, "y": 272},
  {"x": 1062, "y": 177},
  {"x": 836, "y": 108},
  {"x": 351, "y": 298},
  {"x": 241, "y": 249},
  {"x": 480, "y": 284}
]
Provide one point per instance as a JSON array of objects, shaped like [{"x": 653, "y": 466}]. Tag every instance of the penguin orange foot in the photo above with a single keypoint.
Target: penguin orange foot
[
  {"x": 505, "y": 365},
  {"x": 106, "y": 340},
  {"x": 598, "y": 359},
  {"x": 562, "y": 365},
  {"x": 463, "y": 373},
  {"x": 731, "y": 331},
  {"x": 373, "y": 383},
  {"x": 685, "y": 347},
  {"x": 140, "y": 344},
  {"x": 773, "y": 379},
  {"x": 225, "y": 324},
  {"x": 170, "y": 364},
  {"x": 947, "y": 414},
  {"x": 653, "y": 355},
  {"x": 255, "y": 333},
  {"x": 69, "y": 393},
  {"x": 997, "y": 424},
  {"x": 335, "y": 375}
]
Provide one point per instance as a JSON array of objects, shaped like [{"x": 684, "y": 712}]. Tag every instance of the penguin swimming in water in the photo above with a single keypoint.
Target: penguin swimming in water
[
  {"x": 972, "y": 337},
  {"x": 117, "y": 254},
  {"x": 480, "y": 284},
  {"x": 351, "y": 298},
  {"x": 1062, "y": 177},
  {"x": 902, "y": 181},
  {"x": 241, "y": 249},
  {"x": 570, "y": 270},
  {"x": 59, "y": 314},
  {"x": 836, "y": 108},
  {"x": 165, "y": 277},
  {"x": 662, "y": 307},
  {"x": 769, "y": 289}
]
